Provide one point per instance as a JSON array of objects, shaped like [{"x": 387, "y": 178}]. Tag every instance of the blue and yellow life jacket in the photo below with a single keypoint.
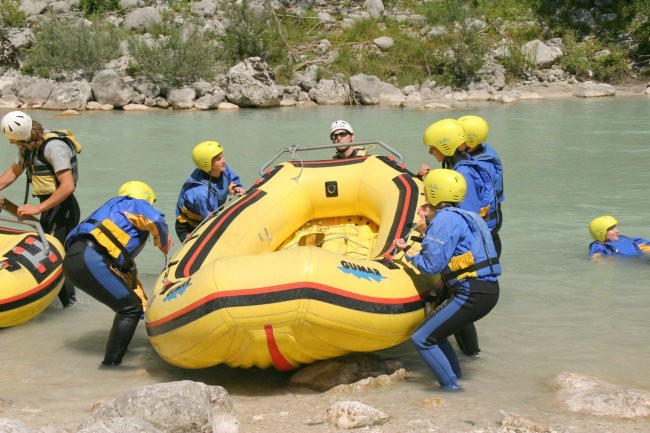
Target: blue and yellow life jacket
[{"x": 480, "y": 261}]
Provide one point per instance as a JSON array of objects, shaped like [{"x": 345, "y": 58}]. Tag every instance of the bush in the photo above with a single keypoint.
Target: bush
[
  {"x": 251, "y": 32},
  {"x": 66, "y": 46},
  {"x": 10, "y": 15},
  {"x": 96, "y": 7},
  {"x": 180, "y": 55}
]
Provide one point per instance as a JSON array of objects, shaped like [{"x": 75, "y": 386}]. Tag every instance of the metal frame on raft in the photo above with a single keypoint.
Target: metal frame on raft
[
  {"x": 293, "y": 151},
  {"x": 34, "y": 224}
]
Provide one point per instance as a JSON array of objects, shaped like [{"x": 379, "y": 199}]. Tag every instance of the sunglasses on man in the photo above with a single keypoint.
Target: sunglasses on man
[{"x": 336, "y": 135}]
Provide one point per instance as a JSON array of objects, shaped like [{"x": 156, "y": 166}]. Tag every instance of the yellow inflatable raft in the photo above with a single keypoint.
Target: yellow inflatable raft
[
  {"x": 295, "y": 271},
  {"x": 31, "y": 274}
]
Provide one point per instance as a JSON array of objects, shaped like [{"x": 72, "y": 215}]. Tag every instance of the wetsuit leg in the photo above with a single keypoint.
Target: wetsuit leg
[
  {"x": 124, "y": 325},
  {"x": 431, "y": 337},
  {"x": 182, "y": 230},
  {"x": 59, "y": 221},
  {"x": 92, "y": 273},
  {"x": 467, "y": 340},
  {"x": 481, "y": 302},
  {"x": 461, "y": 309}
]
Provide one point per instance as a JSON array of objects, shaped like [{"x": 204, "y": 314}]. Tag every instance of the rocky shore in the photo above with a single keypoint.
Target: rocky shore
[
  {"x": 189, "y": 407},
  {"x": 251, "y": 83}
]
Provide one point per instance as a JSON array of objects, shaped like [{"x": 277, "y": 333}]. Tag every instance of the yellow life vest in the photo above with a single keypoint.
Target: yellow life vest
[{"x": 40, "y": 172}]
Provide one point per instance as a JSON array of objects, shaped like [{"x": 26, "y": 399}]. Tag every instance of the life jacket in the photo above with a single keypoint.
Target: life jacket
[
  {"x": 356, "y": 151},
  {"x": 624, "y": 246},
  {"x": 487, "y": 153},
  {"x": 40, "y": 172},
  {"x": 109, "y": 228},
  {"x": 488, "y": 199},
  {"x": 202, "y": 188},
  {"x": 480, "y": 261}
]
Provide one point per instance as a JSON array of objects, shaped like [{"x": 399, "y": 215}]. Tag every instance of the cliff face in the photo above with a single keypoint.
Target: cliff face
[{"x": 355, "y": 52}]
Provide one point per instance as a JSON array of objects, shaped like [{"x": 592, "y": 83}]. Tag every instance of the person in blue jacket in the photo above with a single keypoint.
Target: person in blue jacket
[
  {"x": 608, "y": 241},
  {"x": 207, "y": 188},
  {"x": 458, "y": 246},
  {"x": 476, "y": 130},
  {"x": 100, "y": 255},
  {"x": 444, "y": 139}
]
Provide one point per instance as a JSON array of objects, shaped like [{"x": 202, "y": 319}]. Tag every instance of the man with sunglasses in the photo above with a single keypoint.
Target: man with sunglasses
[{"x": 341, "y": 133}]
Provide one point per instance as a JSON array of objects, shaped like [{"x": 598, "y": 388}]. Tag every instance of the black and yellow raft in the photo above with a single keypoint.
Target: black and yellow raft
[{"x": 295, "y": 271}]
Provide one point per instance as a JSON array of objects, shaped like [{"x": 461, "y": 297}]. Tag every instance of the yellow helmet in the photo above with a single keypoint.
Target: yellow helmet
[
  {"x": 476, "y": 129},
  {"x": 137, "y": 189},
  {"x": 598, "y": 227},
  {"x": 203, "y": 153},
  {"x": 444, "y": 185},
  {"x": 445, "y": 135}
]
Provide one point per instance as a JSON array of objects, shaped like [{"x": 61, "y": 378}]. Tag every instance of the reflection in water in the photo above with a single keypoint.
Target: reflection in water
[{"x": 565, "y": 162}]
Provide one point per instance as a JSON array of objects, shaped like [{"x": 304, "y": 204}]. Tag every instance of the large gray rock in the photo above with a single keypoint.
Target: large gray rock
[
  {"x": 354, "y": 414},
  {"x": 370, "y": 90},
  {"x": 540, "y": 53},
  {"x": 173, "y": 407},
  {"x": 142, "y": 19},
  {"x": 14, "y": 426},
  {"x": 589, "y": 395},
  {"x": 74, "y": 95},
  {"x": 325, "y": 375},
  {"x": 251, "y": 84},
  {"x": 34, "y": 92},
  {"x": 182, "y": 98},
  {"x": 589, "y": 89},
  {"x": 121, "y": 425},
  {"x": 108, "y": 88},
  {"x": 330, "y": 92}
]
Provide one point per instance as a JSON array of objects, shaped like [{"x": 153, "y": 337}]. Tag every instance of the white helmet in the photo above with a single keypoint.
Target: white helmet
[
  {"x": 341, "y": 124},
  {"x": 17, "y": 126}
]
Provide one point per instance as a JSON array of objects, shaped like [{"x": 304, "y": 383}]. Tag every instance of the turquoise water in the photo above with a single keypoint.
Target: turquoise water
[{"x": 566, "y": 161}]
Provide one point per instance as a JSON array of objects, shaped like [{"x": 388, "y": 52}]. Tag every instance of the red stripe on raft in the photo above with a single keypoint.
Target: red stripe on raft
[
  {"x": 223, "y": 217},
  {"x": 279, "y": 361},
  {"x": 44, "y": 285},
  {"x": 281, "y": 288}
]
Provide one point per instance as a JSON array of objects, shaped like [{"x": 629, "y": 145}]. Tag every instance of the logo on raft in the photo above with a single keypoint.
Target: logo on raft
[
  {"x": 361, "y": 271},
  {"x": 175, "y": 290}
]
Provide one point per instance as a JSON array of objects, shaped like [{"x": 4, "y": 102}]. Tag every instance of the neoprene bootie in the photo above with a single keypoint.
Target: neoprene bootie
[{"x": 119, "y": 338}]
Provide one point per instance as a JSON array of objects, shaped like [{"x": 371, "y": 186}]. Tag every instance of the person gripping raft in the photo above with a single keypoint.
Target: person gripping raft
[
  {"x": 100, "y": 255},
  {"x": 206, "y": 189}
]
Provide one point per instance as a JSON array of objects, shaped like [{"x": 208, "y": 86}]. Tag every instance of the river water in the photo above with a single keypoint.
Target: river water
[{"x": 566, "y": 161}]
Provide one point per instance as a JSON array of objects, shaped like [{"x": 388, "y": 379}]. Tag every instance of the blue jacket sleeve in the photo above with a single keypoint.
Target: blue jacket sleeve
[{"x": 438, "y": 245}]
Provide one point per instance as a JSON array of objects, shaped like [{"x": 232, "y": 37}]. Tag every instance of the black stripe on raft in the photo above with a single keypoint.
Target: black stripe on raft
[{"x": 321, "y": 294}]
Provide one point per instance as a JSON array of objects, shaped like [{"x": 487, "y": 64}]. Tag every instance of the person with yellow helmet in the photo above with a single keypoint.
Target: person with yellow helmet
[
  {"x": 206, "y": 189},
  {"x": 476, "y": 129},
  {"x": 49, "y": 159},
  {"x": 457, "y": 245},
  {"x": 100, "y": 255},
  {"x": 445, "y": 138},
  {"x": 342, "y": 134},
  {"x": 608, "y": 241}
]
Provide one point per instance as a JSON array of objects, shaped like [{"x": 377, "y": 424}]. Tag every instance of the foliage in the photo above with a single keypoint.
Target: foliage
[
  {"x": 97, "y": 7},
  {"x": 10, "y": 14},
  {"x": 181, "y": 54},
  {"x": 581, "y": 60},
  {"x": 251, "y": 32},
  {"x": 65, "y": 46},
  {"x": 461, "y": 50}
]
